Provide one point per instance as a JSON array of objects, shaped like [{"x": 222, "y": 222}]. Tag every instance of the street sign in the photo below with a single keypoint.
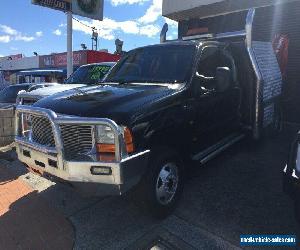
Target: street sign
[
  {"x": 63, "y": 5},
  {"x": 87, "y": 8}
]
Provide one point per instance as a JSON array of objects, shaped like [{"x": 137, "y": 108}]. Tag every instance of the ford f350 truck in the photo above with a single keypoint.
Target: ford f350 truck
[{"x": 160, "y": 106}]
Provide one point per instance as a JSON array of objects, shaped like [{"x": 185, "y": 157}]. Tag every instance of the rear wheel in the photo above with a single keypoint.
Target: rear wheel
[{"x": 163, "y": 183}]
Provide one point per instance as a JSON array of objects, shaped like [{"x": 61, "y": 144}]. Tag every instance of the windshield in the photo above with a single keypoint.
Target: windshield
[
  {"x": 9, "y": 94},
  {"x": 157, "y": 64},
  {"x": 88, "y": 75}
]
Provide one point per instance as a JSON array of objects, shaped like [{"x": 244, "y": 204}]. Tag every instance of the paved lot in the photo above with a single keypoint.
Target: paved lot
[
  {"x": 26, "y": 220},
  {"x": 239, "y": 192}
]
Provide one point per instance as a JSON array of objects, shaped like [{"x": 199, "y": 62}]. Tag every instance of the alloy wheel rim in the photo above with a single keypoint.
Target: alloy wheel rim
[{"x": 167, "y": 183}]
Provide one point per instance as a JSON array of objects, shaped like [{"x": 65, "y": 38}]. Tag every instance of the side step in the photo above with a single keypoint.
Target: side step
[{"x": 217, "y": 148}]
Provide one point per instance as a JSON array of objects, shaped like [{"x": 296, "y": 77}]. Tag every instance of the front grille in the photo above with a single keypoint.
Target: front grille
[
  {"x": 29, "y": 102},
  {"x": 77, "y": 140},
  {"x": 42, "y": 131}
]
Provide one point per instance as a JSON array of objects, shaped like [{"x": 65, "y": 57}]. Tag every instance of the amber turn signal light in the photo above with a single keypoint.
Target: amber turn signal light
[{"x": 110, "y": 148}]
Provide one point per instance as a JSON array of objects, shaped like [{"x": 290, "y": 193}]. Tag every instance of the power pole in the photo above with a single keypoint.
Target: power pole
[
  {"x": 94, "y": 39},
  {"x": 69, "y": 44}
]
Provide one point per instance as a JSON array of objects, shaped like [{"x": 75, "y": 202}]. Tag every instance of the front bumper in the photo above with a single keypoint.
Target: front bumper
[{"x": 125, "y": 171}]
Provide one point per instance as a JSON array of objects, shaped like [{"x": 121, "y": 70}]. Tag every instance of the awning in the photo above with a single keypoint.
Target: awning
[
  {"x": 44, "y": 72},
  {"x": 179, "y": 10}
]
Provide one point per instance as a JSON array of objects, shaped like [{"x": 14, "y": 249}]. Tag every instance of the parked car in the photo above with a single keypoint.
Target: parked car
[
  {"x": 9, "y": 94},
  {"x": 8, "y": 98},
  {"x": 291, "y": 176},
  {"x": 3, "y": 82},
  {"x": 41, "y": 76},
  {"x": 159, "y": 106},
  {"x": 84, "y": 76}
]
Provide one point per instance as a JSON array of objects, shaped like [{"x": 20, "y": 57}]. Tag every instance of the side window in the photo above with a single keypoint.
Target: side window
[{"x": 211, "y": 59}]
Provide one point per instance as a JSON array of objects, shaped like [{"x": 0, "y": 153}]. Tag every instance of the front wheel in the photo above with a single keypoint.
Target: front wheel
[{"x": 163, "y": 183}]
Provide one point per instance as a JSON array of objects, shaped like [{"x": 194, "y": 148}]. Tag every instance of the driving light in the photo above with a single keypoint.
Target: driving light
[{"x": 101, "y": 171}]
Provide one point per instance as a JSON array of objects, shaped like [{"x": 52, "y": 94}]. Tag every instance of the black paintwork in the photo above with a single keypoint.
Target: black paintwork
[
  {"x": 121, "y": 103},
  {"x": 181, "y": 116},
  {"x": 291, "y": 184}
]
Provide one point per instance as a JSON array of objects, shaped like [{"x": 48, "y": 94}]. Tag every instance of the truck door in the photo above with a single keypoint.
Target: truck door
[{"x": 217, "y": 107}]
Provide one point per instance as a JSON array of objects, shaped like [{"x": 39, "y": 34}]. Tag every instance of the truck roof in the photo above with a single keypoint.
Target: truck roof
[{"x": 182, "y": 43}]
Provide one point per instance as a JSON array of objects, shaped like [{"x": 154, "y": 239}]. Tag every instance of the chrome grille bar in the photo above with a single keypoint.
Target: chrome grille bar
[
  {"x": 42, "y": 131},
  {"x": 77, "y": 139}
]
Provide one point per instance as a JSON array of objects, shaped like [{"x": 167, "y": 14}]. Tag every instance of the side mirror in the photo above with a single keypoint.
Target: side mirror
[{"x": 223, "y": 79}]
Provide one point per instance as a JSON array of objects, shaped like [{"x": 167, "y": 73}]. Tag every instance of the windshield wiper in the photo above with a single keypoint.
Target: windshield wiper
[
  {"x": 124, "y": 81},
  {"x": 119, "y": 81}
]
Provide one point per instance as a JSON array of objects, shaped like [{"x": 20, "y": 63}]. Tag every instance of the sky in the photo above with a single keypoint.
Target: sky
[{"x": 27, "y": 28}]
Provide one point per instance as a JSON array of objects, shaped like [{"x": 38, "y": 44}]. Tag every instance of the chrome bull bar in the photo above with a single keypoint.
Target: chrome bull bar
[{"x": 56, "y": 121}]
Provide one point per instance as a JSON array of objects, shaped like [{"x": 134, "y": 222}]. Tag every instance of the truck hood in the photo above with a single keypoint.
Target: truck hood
[
  {"x": 116, "y": 102},
  {"x": 43, "y": 92}
]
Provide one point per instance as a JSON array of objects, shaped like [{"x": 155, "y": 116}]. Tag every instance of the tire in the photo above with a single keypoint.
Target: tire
[{"x": 165, "y": 172}]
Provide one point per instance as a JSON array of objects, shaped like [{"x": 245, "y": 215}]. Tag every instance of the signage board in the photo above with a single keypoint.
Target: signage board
[
  {"x": 79, "y": 58},
  {"x": 63, "y": 5},
  {"x": 87, "y": 8},
  {"x": 47, "y": 61},
  {"x": 15, "y": 57},
  {"x": 60, "y": 60},
  {"x": 11, "y": 57},
  {"x": 19, "y": 63}
]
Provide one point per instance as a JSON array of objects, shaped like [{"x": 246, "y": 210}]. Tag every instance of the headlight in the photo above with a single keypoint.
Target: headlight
[
  {"x": 105, "y": 139},
  {"x": 104, "y": 135}
]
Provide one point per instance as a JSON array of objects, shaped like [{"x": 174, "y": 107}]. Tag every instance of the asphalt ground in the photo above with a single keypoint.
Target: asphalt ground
[{"x": 239, "y": 192}]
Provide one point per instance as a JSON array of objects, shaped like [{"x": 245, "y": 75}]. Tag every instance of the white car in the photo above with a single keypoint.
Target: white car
[{"x": 85, "y": 75}]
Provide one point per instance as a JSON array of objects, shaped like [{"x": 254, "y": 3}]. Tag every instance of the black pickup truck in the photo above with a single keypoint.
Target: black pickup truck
[{"x": 160, "y": 106}]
